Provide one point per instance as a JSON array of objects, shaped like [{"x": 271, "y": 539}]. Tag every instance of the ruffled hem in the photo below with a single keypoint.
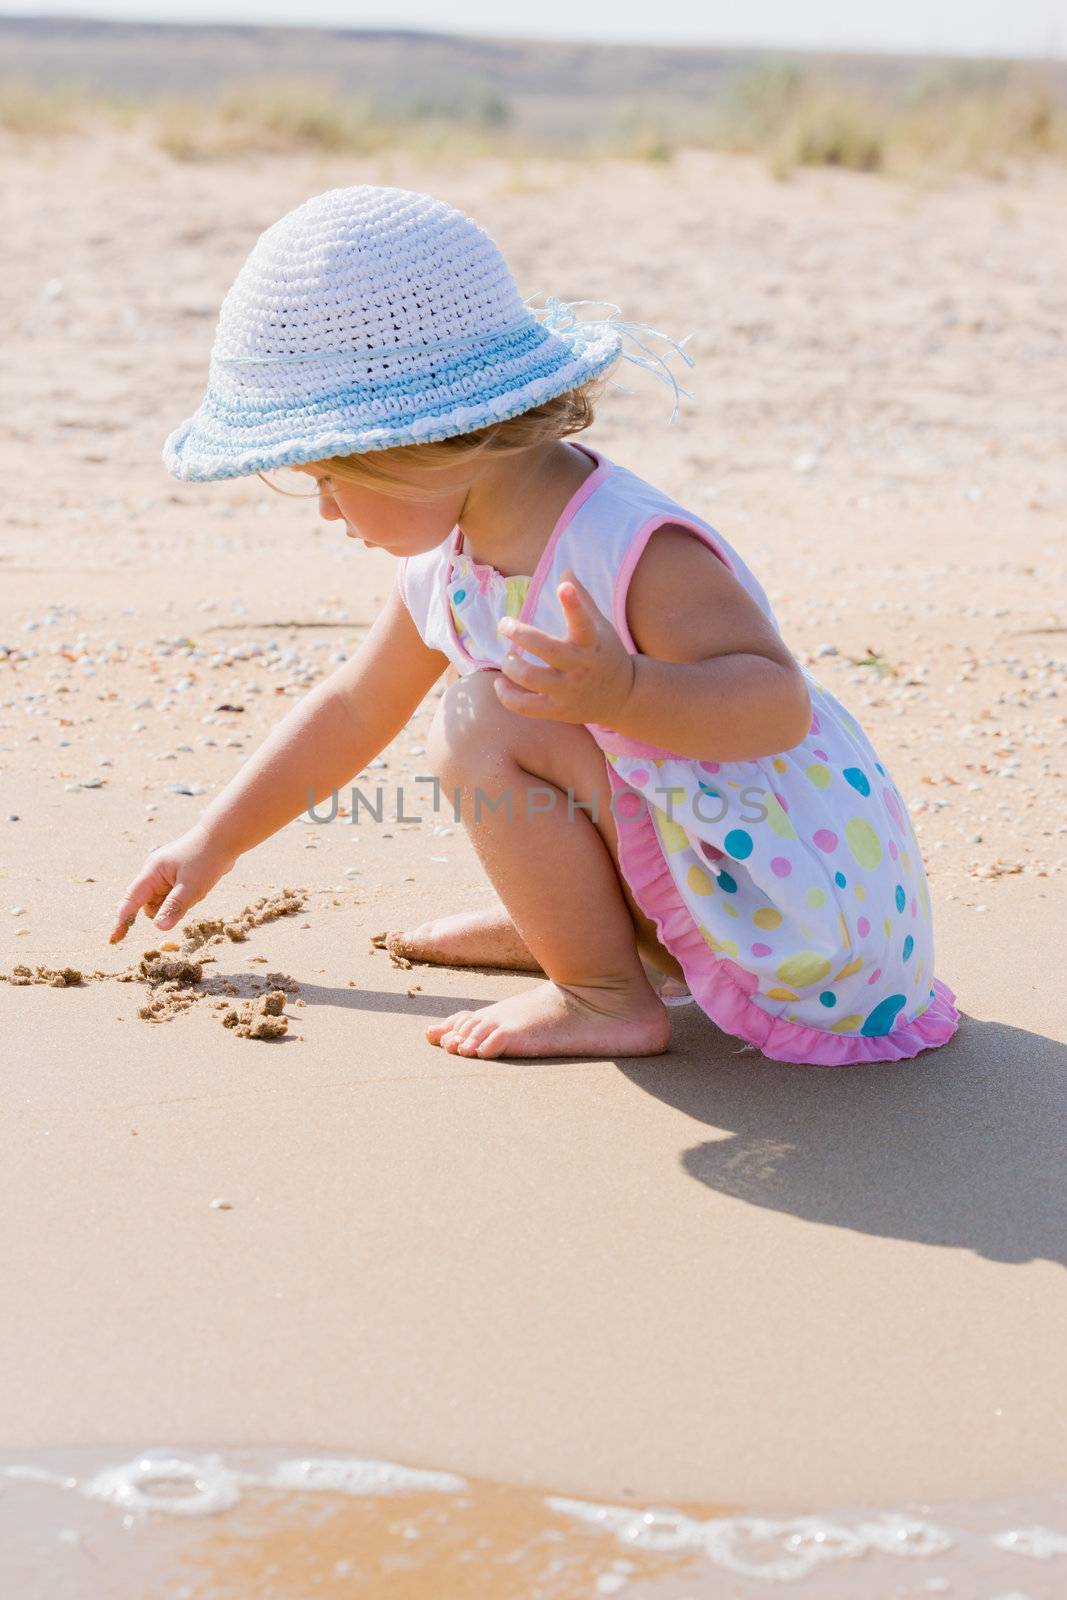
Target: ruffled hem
[{"x": 722, "y": 988}]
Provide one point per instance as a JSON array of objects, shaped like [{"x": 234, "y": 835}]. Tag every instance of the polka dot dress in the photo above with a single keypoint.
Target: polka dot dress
[
  {"x": 790, "y": 889},
  {"x": 802, "y": 874}
]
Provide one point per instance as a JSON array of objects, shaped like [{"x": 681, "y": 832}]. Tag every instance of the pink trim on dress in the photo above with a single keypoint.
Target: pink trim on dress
[
  {"x": 724, "y": 990},
  {"x": 603, "y": 470},
  {"x": 634, "y": 552},
  {"x": 540, "y": 572},
  {"x": 619, "y": 745},
  {"x": 607, "y": 738}
]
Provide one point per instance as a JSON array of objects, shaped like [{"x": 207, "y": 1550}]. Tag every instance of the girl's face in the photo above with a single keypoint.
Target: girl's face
[{"x": 403, "y": 527}]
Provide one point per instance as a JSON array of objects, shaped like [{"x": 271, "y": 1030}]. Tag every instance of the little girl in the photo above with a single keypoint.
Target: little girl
[{"x": 660, "y": 794}]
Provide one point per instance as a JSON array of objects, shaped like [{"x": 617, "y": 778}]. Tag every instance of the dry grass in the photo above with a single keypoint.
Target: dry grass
[
  {"x": 966, "y": 116},
  {"x": 36, "y": 113},
  {"x": 978, "y": 130},
  {"x": 269, "y": 116},
  {"x": 282, "y": 114}
]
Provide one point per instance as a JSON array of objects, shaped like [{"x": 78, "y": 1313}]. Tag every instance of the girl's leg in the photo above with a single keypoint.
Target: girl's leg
[
  {"x": 556, "y": 873},
  {"x": 489, "y": 938},
  {"x": 485, "y": 938}
]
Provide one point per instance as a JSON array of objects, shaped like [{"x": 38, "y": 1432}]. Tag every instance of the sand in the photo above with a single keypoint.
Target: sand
[{"x": 703, "y": 1276}]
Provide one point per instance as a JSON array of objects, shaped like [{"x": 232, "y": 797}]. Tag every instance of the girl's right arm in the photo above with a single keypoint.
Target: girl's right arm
[{"x": 327, "y": 738}]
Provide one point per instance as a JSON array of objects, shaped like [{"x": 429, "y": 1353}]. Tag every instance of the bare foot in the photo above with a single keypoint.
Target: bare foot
[
  {"x": 486, "y": 938},
  {"x": 489, "y": 938},
  {"x": 549, "y": 1020}
]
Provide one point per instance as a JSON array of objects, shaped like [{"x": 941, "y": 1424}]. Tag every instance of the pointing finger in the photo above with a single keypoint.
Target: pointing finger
[
  {"x": 121, "y": 928},
  {"x": 150, "y": 882}
]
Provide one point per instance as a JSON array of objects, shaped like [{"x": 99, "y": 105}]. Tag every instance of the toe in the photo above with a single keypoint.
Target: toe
[
  {"x": 474, "y": 1037},
  {"x": 495, "y": 1043},
  {"x": 472, "y": 1023},
  {"x": 455, "y": 1030},
  {"x": 437, "y": 1030},
  {"x": 467, "y": 1026}
]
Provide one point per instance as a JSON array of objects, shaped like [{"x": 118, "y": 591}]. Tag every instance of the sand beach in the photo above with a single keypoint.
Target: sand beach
[{"x": 702, "y": 1280}]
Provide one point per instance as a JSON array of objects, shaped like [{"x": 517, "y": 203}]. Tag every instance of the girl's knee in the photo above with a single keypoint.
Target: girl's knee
[
  {"x": 467, "y": 725},
  {"x": 472, "y": 732}
]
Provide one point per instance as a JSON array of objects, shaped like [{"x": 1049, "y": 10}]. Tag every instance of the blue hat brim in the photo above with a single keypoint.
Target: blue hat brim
[{"x": 232, "y": 436}]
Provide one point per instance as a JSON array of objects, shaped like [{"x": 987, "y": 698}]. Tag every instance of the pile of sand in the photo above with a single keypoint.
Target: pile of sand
[{"x": 176, "y": 982}]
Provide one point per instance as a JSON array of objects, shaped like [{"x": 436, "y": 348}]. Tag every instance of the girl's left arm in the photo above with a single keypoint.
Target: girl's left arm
[{"x": 713, "y": 679}]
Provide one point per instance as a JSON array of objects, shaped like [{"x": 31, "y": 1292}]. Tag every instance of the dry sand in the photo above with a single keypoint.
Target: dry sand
[{"x": 703, "y": 1276}]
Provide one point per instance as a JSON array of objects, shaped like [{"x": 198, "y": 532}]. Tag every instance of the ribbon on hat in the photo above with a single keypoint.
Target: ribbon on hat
[{"x": 558, "y": 317}]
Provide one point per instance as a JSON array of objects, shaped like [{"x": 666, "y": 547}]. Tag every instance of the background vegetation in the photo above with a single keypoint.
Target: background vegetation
[{"x": 210, "y": 93}]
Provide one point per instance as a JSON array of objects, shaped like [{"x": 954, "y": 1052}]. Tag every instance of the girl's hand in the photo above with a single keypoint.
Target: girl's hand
[
  {"x": 175, "y": 877},
  {"x": 589, "y": 674}
]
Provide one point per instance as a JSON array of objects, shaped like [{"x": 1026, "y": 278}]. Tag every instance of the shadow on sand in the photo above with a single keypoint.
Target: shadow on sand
[{"x": 960, "y": 1146}]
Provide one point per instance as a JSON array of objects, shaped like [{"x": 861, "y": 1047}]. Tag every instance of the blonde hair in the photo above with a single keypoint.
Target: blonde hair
[{"x": 387, "y": 470}]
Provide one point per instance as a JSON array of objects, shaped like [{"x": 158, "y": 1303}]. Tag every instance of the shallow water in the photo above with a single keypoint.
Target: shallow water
[{"x": 177, "y": 1524}]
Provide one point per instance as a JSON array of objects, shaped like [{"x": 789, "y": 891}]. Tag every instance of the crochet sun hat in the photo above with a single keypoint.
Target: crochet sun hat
[{"x": 371, "y": 317}]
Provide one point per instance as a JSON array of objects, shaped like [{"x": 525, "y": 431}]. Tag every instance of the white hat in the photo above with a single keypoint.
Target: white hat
[{"x": 372, "y": 317}]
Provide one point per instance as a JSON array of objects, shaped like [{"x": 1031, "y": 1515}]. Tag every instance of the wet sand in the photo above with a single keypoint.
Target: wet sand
[
  {"x": 268, "y": 1525},
  {"x": 702, "y": 1278}
]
